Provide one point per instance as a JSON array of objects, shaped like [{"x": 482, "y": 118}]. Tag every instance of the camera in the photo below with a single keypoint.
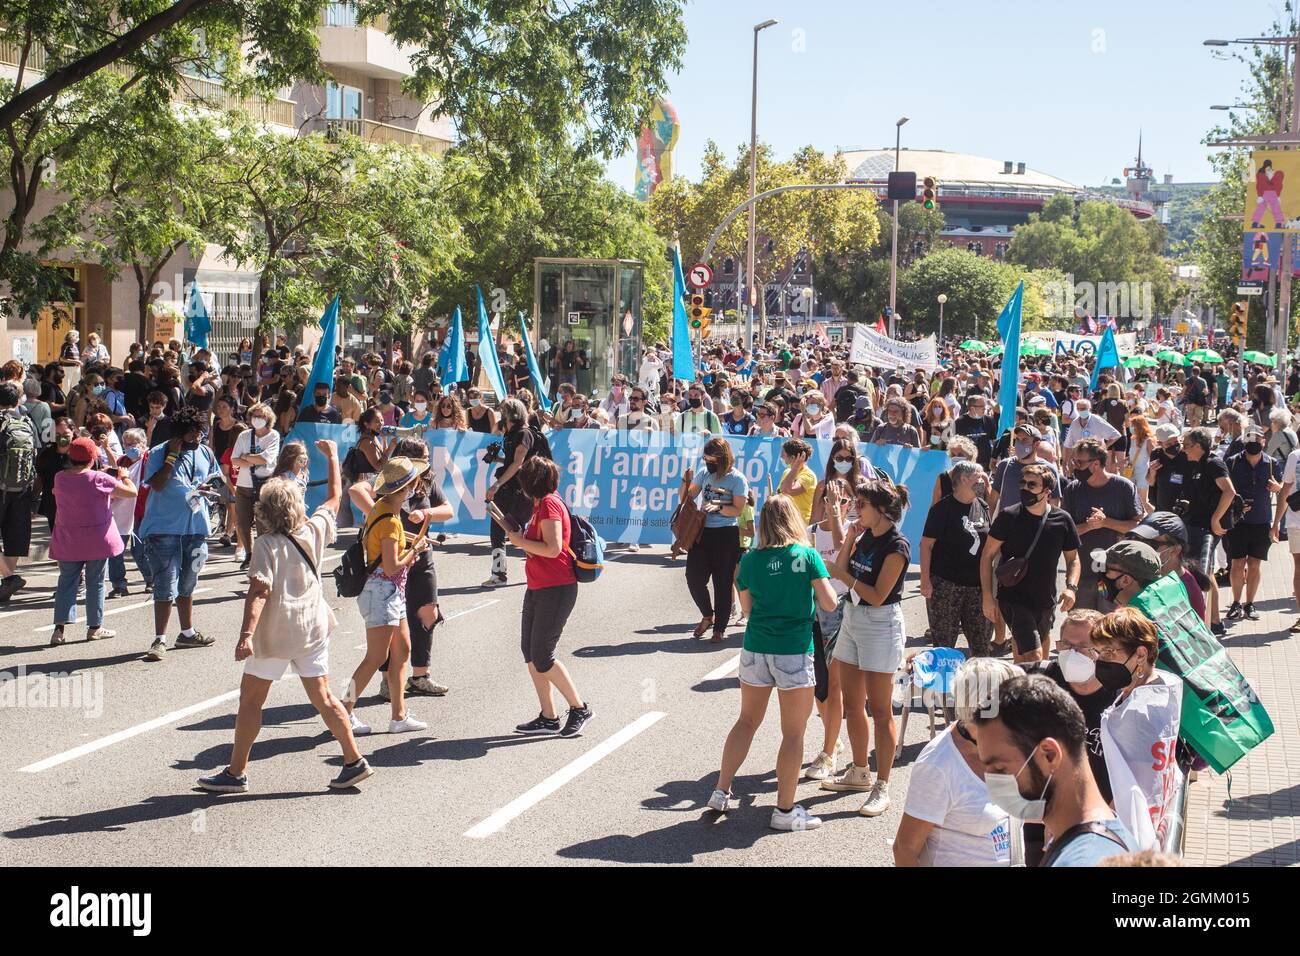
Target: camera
[
  {"x": 492, "y": 453},
  {"x": 1181, "y": 507}
]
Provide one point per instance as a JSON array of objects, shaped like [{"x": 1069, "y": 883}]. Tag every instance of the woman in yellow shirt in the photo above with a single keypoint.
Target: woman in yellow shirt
[{"x": 798, "y": 482}]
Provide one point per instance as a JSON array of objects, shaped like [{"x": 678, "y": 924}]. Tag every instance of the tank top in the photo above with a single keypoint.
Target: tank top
[{"x": 481, "y": 424}]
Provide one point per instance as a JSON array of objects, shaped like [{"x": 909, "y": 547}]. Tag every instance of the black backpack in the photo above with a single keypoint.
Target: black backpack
[
  {"x": 541, "y": 446},
  {"x": 353, "y": 571}
]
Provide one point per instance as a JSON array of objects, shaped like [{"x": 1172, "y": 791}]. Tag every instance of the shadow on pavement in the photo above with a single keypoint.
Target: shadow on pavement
[
  {"x": 64, "y": 667},
  {"x": 271, "y": 717},
  {"x": 687, "y": 645},
  {"x": 414, "y": 751},
  {"x": 218, "y": 757},
  {"x": 1262, "y": 806},
  {"x": 1288, "y": 854}
]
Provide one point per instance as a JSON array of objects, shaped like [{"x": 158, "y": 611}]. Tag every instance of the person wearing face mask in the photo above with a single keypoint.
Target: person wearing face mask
[
  {"x": 1139, "y": 731},
  {"x": 714, "y": 557},
  {"x": 1032, "y": 742},
  {"x": 176, "y": 527},
  {"x": 956, "y": 529},
  {"x": 479, "y": 417},
  {"x": 615, "y": 403},
  {"x": 1104, "y": 506},
  {"x": 1040, "y": 535},
  {"x": 979, "y": 427},
  {"x": 253, "y": 453},
  {"x": 124, "y": 515},
  {"x": 1087, "y": 425},
  {"x": 320, "y": 410},
  {"x": 813, "y": 421},
  {"x": 1255, "y": 476},
  {"x": 1167, "y": 534},
  {"x": 420, "y": 415},
  {"x": 519, "y": 443},
  {"x": 1009, "y": 473},
  {"x": 948, "y": 819},
  {"x": 739, "y": 421},
  {"x": 697, "y": 419}
]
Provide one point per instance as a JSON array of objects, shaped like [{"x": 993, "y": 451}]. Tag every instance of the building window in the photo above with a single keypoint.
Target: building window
[
  {"x": 342, "y": 102},
  {"x": 340, "y": 15},
  {"x": 999, "y": 250}
]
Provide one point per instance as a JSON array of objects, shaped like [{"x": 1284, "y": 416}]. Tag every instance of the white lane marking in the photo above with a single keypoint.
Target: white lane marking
[
  {"x": 121, "y": 610},
  {"x": 562, "y": 776},
  {"x": 723, "y": 670},
  {"x": 126, "y": 734},
  {"x": 452, "y": 617}
]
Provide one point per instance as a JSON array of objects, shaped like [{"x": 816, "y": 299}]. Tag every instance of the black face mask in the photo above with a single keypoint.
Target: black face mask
[
  {"x": 1082, "y": 474},
  {"x": 322, "y": 400},
  {"x": 696, "y": 402},
  {"x": 1254, "y": 448},
  {"x": 189, "y": 445},
  {"x": 1173, "y": 450},
  {"x": 1110, "y": 587},
  {"x": 1113, "y": 676}
]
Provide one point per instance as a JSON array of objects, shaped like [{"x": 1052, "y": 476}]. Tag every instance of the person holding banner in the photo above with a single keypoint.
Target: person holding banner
[{"x": 717, "y": 552}]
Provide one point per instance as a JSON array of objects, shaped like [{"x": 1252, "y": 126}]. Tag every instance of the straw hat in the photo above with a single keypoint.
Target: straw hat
[{"x": 397, "y": 474}]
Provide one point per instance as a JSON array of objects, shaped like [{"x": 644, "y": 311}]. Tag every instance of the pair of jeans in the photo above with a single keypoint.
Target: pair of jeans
[
  {"x": 140, "y": 554},
  {"x": 176, "y": 560},
  {"x": 65, "y": 594}
]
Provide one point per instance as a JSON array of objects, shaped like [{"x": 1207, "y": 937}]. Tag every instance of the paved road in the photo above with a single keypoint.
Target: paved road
[{"x": 116, "y": 786}]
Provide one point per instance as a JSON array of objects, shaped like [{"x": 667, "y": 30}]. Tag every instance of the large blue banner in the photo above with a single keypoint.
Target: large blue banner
[{"x": 627, "y": 483}]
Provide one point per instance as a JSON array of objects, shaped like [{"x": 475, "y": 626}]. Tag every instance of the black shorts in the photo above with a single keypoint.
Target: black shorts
[
  {"x": 1248, "y": 541},
  {"x": 16, "y": 523},
  {"x": 1030, "y": 627},
  {"x": 546, "y": 611}
]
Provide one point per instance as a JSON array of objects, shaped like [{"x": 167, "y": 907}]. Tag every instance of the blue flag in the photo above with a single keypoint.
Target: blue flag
[
  {"x": 197, "y": 323},
  {"x": 322, "y": 369},
  {"x": 451, "y": 362},
  {"x": 1009, "y": 330},
  {"x": 683, "y": 358},
  {"x": 534, "y": 372},
  {"x": 1107, "y": 356},
  {"x": 487, "y": 350}
]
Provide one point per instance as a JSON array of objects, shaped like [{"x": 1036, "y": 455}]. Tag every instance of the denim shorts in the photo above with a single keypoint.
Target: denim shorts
[
  {"x": 782, "y": 671},
  {"x": 175, "y": 561},
  {"x": 381, "y": 604}
]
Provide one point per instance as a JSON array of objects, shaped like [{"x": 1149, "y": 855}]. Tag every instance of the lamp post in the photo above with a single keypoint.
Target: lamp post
[
  {"x": 893, "y": 251},
  {"x": 943, "y": 297},
  {"x": 753, "y": 185}
]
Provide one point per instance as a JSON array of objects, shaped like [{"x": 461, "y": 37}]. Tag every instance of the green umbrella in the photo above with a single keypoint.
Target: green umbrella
[
  {"x": 1033, "y": 348},
  {"x": 974, "y": 345},
  {"x": 1258, "y": 358},
  {"x": 997, "y": 349},
  {"x": 1205, "y": 355},
  {"x": 1172, "y": 357},
  {"x": 1140, "y": 361}
]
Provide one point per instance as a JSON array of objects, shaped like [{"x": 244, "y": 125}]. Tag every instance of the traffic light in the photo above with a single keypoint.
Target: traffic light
[
  {"x": 929, "y": 192},
  {"x": 1237, "y": 322},
  {"x": 697, "y": 312}
]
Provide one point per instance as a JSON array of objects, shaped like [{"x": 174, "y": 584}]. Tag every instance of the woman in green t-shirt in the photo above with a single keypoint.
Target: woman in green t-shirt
[{"x": 781, "y": 582}]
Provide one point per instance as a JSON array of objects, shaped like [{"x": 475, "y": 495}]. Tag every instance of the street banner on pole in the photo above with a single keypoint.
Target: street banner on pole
[
  {"x": 1272, "y": 191},
  {"x": 322, "y": 368},
  {"x": 683, "y": 357},
  {"x": 1009, "y": 330},
  {"x": 535, "y": 373}
]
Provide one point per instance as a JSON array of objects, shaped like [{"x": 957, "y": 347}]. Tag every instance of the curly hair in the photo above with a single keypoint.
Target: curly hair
[
  {"x": 187, "y": 419},
  {"x": 280, "y": 508}
]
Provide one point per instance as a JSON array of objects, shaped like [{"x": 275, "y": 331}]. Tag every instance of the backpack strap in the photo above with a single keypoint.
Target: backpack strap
[{"x": 364, "y": 534}]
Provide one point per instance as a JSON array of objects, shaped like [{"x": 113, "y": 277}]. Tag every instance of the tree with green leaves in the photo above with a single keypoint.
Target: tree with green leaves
[{"x": 977, "y": 288}]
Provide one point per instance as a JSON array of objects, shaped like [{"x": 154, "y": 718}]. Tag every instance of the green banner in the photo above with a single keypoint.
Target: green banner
[{"x": 1222, "y": 718}]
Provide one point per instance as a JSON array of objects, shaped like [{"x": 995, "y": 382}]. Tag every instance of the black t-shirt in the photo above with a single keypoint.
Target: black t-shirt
[
  {"x": 482, "y": 424},
  {"x": 222, "y": 438},
  {"x": 421, "y": 580},
  {"x": 1115, "y": 412},
  {"x": 328, "y": 415},
  {"x": 135, "y": 392},
  {"x": 869, "y": 556},
  {"x": 959, "y": 531},
  {"x": 509, "y": 445},
  {"x": 1173, "y": 480},
  {"x": 1092, "y": 706},
  {"x": 981, "y": 431},
  {"x": 1016, "y": 528},
  {"x": 1203, "y": 490}
]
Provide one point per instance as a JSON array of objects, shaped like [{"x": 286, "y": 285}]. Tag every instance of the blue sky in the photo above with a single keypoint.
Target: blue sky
[{"x": 1061, "y": 85}]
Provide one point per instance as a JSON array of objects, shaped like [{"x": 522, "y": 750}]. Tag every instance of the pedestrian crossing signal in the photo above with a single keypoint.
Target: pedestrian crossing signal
[{"x": 929, "y": 192}]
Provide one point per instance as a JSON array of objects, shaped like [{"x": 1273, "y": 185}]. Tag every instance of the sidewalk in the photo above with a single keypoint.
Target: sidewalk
[{"x": 1261, "y": 825}]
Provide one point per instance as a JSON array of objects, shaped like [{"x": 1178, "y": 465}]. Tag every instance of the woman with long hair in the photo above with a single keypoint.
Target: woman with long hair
[
  {"x": 1141, "y": 443},
  {"x": 872, "y": 563},
  {"x": 782, "y": 583},
  {"x": 715, "y": 555},
  {"x": 449, "y": 413},
  {"x": 938, "y": 424}
]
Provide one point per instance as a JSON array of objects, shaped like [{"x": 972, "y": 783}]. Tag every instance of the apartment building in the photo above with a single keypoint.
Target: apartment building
[{"x": 363, "y": 98}]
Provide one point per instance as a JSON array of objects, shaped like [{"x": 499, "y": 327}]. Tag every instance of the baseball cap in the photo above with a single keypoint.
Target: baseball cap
[
  {"x": 82, "y": 451},
  {"x": 1161, "y": 524},
  {"x": 1166, "y": 432},
  {"x": 1029, "y": 430},
  {"x": 1139, "y": 561}
]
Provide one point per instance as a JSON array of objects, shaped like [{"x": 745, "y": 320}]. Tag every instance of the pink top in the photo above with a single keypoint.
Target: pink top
[{"x": 84, "y": 529}]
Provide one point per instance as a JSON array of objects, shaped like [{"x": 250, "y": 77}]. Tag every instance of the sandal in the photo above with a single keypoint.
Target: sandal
[
  {"x": 704, "y": 625},
  {"x": 718, "y": 636}
]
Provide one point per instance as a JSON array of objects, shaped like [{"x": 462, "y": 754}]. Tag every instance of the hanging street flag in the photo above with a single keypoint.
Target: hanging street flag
[
  {"x": 535, "y": 373},
  {"x": 487, "y": 351},
  {"x": 322, "y": 369},
  {"x": 1009, "y": 330},
  {"x": 197, "y": 323},
  {"x": 823, "y": 339},
  {"x": 880, "y": 325},
  {"x": 451, "y": 361},
  {"x": 1107, "y": 356},
  {"x": 1160, "y": 332},
  {"x": 683, "y": 358}
]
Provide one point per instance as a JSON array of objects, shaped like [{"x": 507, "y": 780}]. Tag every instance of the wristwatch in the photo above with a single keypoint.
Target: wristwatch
[{"x": 1072, "y": 587}]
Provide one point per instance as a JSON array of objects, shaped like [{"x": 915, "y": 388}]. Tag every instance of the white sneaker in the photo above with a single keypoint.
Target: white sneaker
[
  {"x": 721, "y": 801},
  {"x": 823, "y": 766},
  {"x": 797, "y": 819},
  {"x": 878, "y": 802},
  {"x": 240, "y": 555},
  {"x": 853, "y": 778},
  {"x": 358, "y": 728},
  {"x": 633, "y": 548},
  {"x": 741, "y": 621},
  {"x": 407, "y": 725}
]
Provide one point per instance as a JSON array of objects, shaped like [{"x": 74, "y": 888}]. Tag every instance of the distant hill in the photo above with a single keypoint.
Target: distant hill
[{"x": 1185, "y": 212}]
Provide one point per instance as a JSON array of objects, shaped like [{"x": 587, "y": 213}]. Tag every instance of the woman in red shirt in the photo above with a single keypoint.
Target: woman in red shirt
[{"x": 549, "y": 600}]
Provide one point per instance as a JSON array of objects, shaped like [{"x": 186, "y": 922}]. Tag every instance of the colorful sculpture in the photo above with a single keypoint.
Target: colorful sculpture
[{"x": 654, "y": 149}]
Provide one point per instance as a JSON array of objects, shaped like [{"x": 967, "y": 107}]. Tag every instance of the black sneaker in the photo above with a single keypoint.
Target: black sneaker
[
  {"x": 578, "y": 716},
  {"x": 197, "y": 639},
  {"x": 1217, "y": 629},
  {"x": 540, "y": 727},
  {"x": 1235, "y": 613},
  {"x": 10, "y": 586},
  {"x": 1251, "y": 613},
  {"x": 352, "y": 774},
  {"x": 119, "y": 592}
]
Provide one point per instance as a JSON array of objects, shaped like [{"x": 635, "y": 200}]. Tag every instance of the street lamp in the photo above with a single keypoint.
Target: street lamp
[
  {"x": 942, "y": 299},
  {"x": 753, "y": 183},
  {"x": 893, "y": 252}
]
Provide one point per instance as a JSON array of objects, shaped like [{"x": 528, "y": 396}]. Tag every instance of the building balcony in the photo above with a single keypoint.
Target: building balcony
[
  {"x": 365, "y": 49},
  {"x": 373, "y": 131}
]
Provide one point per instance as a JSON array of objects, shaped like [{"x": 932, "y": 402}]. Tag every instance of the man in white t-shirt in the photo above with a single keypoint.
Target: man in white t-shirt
[{"x": 1087, "y": 425}]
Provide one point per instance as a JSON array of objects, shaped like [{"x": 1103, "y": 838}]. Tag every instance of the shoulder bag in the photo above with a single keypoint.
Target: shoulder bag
[
  {"x": 687, "y": 521},
  {"x": 1012, "y": 571}
]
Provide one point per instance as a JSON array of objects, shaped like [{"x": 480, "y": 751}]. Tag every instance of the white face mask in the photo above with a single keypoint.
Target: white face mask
[
  {"x": 475, "y": 402},
  {"x": 1005, "y": 792},
  {"x": 259, "y": 423},
  {"x": 420, "y": 407},
  {"x": 1077, "y": 668}
]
